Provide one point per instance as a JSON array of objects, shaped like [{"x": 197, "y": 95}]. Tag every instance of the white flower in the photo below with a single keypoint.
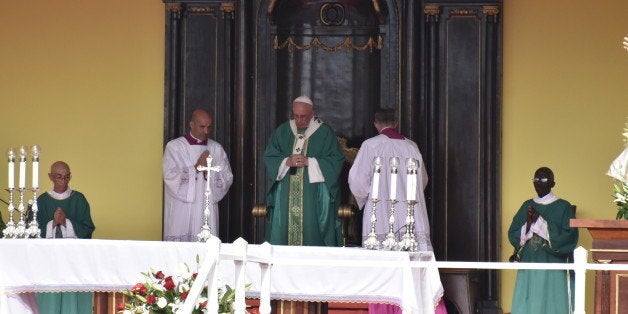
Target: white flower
[
  {"x": 183, "y": 287},
  {"x": 162, "y": 302},
  {"x": 620, "y": 198}
]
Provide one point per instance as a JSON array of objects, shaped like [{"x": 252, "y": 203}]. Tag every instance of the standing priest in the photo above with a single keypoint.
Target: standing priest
[
  {"x": 64, "y": 213},
  {"x": 184, "y": 185},
  {"x": 303, "y": 162}
]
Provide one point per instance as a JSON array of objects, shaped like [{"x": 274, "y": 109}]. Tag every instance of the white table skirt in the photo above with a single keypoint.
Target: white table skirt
[{"x": 298, "y": 273}]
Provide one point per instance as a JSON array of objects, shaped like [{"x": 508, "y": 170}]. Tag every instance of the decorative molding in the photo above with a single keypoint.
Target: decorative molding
[
  {"x": 174, "y": 9},
  {"x": 271, "y": 12},
  {"x": 431, "y": 10},
  {"x": 332, "y": 14},
  {"x": 228, "y": 10},
  {"x": 203, "y": 11},
  {"x": 346, "y": 45},
  {"x": 490, "y": 10},
  {"x": 378, "y": 12},
  {"x": 464, "y": 12}
]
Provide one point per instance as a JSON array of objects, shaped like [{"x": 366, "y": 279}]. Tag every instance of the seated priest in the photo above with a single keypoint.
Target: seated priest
[{"x": 64, "y": 213}]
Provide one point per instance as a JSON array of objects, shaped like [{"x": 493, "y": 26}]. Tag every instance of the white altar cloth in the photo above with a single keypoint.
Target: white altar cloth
[{"x": 297, "y": 273}]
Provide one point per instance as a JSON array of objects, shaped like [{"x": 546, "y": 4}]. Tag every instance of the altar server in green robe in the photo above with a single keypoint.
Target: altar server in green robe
[
  {"x": 64, "y": 213},
  {"x": 303, "y": 162},
  {"x": 540, "y": 233}
]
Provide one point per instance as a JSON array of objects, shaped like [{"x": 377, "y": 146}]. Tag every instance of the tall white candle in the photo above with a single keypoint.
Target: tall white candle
[
  {"x": 394, "y": 164},
  {"x": 11, "y": 171},
  {"x": 35, "y": 154},
  {"x": 411, "y": 179},
  {"x": 22, "y": 180},
  {"x": 377, "y": 169}
]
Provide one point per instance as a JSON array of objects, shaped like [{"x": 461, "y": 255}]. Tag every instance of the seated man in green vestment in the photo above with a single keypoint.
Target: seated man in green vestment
[
  {"x": 64, "y": 213},
  {"x": 540, "y": 233},
  {"x": 303, "y": 162}
]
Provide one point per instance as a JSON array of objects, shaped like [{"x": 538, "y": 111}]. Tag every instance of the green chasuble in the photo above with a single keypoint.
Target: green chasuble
[
  {"x": 545, "y": 291},
  {"x": 2, "y": 225},
  {"x": 300, "y": 212},
  {"x": 77, "y": 210}
]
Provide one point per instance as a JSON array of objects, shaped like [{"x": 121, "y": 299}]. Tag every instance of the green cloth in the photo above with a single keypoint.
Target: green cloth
[
  {"x": 314, "y": 219},
  {"x": 545, "y": 291},
  {"x": 77, "y": 210}
]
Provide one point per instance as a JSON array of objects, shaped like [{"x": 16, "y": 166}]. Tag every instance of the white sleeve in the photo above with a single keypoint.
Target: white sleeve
[
  {"x": 179, "y": 178},
  {"x": 360, "y": 179},
  {"x": 314, "y": 171},
  {"x": 220, "y": 181},
  {"x": 283, "y": 169},
  {"x": 540, "y": 227},
  {"x": 68, "y": 230}
]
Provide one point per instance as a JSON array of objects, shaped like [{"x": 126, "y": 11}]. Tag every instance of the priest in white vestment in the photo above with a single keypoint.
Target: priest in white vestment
[
  {"x": 184, "y": 184},
  {"x": 389, "y": 143}
]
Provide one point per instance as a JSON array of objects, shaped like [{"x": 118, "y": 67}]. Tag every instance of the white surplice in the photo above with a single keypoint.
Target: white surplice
[
  {"x": 184, "y": 189},
  {"x": 361, "y": 175}
]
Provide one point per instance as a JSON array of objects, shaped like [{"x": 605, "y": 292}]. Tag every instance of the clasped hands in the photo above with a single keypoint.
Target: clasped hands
[
  {"x": 59, "y": 217},
  {"x": 531, "y": 218},
  {"x": 297, "y": 160},
  {"x": 202, "y": 160}
]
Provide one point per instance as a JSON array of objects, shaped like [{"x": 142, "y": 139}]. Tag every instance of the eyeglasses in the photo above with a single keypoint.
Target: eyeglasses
[
  {"x": 537, "y": 180},
  {"x": 65, "y": 177}
]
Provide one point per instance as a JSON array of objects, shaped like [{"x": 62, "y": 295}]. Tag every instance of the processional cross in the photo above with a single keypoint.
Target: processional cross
[{"x": 206, "y": 233}]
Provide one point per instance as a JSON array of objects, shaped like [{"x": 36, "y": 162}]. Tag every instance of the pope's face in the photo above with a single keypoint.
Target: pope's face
[{"x": 302, "y": 114}]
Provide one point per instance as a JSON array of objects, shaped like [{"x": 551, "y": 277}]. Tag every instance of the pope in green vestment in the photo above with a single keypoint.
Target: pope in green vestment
[
  {"x": 303, "y": 162},
  {"x": 78, "y": 224},
  {"x": 540, "y": 233}
]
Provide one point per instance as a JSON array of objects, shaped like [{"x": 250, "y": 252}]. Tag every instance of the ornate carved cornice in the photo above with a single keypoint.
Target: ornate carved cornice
[
  {"x": 464, "y": 12},
  {"x": 203, "y": 11},
  {"x": 431, "y": 10},
  {"x": 228, "y": 10},
  {"x": 174, "y": 9},
  {"x": 316, "y": 43},
  {"x": 491, "y": 11}
]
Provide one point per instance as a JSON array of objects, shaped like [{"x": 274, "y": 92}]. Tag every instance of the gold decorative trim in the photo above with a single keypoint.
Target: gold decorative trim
[
  {"x": 464, "y": 12},
  {"x": 332, "y": 6},
  {"x": 490, "y": 10},
  {"x": 174, "y": 8},
  {"x": 378, "y": 12},
  {"x": 431, "y": 10},
  {"x": 347, "y": 45},
  {"x": 203, "y": 11},
  {"x": 227, "y": 9},
  {"x": 610, "y": 250}
]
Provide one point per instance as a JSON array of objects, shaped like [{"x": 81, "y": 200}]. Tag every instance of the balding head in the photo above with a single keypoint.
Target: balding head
[
  {"x": 200, "y": 124},
  {"x": 60, "y": 176}
]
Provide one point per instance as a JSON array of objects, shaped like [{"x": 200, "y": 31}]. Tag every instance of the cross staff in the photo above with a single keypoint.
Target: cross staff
[{"x": 205, "y": 233}]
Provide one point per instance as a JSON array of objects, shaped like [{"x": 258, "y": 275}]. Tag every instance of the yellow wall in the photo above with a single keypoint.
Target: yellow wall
[
  {"x": 84, "y": 81},
  {"x": 565, "y": 102}
]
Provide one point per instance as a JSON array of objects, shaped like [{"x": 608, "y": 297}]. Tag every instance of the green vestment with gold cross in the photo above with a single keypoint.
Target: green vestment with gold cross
[{"x": 300, "y": 212}]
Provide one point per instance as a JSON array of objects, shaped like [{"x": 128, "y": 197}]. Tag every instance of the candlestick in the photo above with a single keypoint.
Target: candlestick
[
  {"x": 22, "y": 180},
  {"x": 35, "y": 156},
  {"x": 411, "y": 179},
  {"x": 11, "y": 171},
  {"x": 377, "y": 168},
  {"x": 394, "y": 164}
]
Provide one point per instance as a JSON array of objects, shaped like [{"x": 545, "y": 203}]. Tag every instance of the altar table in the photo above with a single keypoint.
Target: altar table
[{"x": 409, "y": 280}]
